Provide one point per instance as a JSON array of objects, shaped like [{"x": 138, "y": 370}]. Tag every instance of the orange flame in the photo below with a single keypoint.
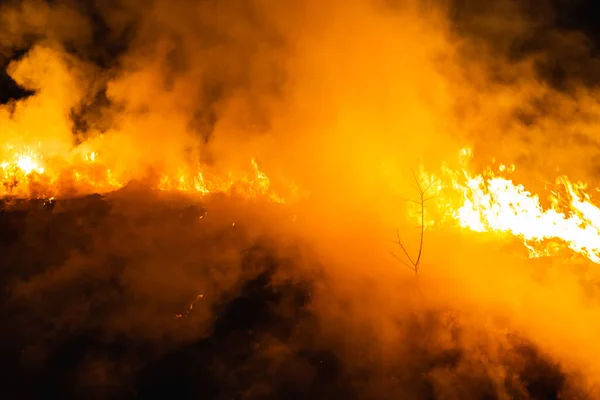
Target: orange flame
[
  {"x": 26, "y": 172},
  {"x": 491, "y": 203}
]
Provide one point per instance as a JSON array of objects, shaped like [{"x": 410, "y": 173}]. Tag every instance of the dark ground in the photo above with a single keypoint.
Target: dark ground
[{"x": 91, "y": 289}]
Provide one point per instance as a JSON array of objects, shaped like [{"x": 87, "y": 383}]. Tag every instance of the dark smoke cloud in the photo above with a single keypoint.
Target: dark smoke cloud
[
  {"x": 541, "y": 59},
  {"x": 564, "y": 53}
]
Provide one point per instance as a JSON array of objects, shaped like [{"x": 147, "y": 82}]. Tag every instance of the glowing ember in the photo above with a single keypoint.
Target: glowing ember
[
  {"x": 190, "y": 307},
  {"x": 491, "y": 203}
]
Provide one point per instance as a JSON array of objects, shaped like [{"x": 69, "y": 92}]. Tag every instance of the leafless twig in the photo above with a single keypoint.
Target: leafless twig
[{"x": 413, "y": 264}]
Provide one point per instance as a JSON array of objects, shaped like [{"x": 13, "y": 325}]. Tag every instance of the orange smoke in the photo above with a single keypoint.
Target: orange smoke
[{"x": 44, "y": 154}]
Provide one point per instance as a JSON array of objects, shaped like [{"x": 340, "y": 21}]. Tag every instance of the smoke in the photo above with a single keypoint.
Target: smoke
[
  {"x": 533, "y": 77},
  {"x": 343, "y": 98}
]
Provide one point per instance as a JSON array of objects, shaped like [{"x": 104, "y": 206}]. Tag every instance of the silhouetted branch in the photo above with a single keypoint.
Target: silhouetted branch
[{"x": 413, "y": 264}]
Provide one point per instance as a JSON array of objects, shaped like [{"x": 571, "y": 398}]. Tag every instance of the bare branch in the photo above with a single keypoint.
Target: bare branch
[
  {"x": 404, "y": 249},
  {"x": 403, "y": 262},
  {"x": 413, "y": 264},
  {"x": 428, "y": 187}
]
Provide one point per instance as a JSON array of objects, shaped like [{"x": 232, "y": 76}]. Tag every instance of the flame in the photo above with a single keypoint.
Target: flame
[
  {"x": 23, "y": 163},
  {"x": 25, "y": 171},
  {"x": 492, "y": 202}
]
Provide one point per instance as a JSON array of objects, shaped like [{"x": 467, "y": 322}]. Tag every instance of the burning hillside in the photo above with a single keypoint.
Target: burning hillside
[{"x": 199, "y": 200}]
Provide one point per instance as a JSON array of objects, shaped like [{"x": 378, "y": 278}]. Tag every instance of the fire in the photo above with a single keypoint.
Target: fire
[
  {"x": 492, "y": 202},
  {"x": 38, "y": 157},
  {"x": 25, "y": 171},
  {"x": 23, "y": 162},
  {"x": 27, "y": 164}
]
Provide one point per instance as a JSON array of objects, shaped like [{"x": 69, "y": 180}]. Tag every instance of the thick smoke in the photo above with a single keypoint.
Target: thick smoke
[
  {"x": 343, "y": 98},
  {"x": 532, "y": 85}
]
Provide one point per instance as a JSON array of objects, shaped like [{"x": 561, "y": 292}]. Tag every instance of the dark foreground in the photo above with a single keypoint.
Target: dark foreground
[{"x": 96, "y": 305}]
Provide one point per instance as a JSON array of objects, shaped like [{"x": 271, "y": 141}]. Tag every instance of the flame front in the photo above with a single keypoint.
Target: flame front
[
  {"x": 490, "y": 202},
  {"x": 26, "y": 172}
]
